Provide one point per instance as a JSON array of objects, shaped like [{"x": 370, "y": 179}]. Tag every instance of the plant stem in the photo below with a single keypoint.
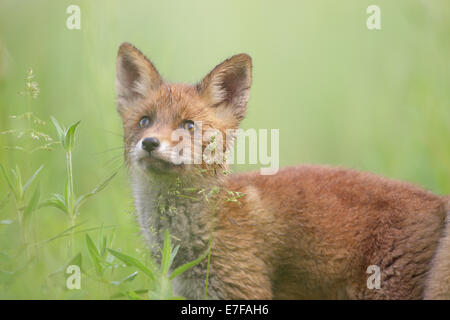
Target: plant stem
[
  {"x": 23, "y": 231},
  {"x": 70, "y": 203},
  {"x": 213, "y": 209},
  {"x": 70, "y": 180},
  {"x": 30, "y": 123}
]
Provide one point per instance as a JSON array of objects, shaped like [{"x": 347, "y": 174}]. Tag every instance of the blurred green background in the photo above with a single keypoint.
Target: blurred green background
[{"x": 339, "y": 93}]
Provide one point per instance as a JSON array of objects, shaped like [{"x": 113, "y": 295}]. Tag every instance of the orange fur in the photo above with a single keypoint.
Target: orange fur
[
  {"x": 308, "y": 232},
  {"x": 317, "y": 234}
]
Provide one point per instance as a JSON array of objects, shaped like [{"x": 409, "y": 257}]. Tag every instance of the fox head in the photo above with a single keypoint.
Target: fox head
[{"x": 167, "y": 127}]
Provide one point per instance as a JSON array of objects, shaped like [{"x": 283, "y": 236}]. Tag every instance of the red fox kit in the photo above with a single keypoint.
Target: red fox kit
[{"x": 307, "y": 232}]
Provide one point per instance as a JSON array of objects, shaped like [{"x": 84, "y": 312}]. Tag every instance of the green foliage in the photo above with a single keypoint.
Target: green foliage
[
  {"x": 66, "y": 135},
  {"x": 31, "y": 86},
  {"x": 94, "y": 254},
  {"x": 339, "y": 93},
  {"x": 85, "y": 197},
  {"x": 24, "y": 208},
  {"x": 33, "y": 124},
  {"x": 160, "y": 280},
  {"x": 59, "y": 201},
  {"x": 67, "y": 201},
  {"x": 234, "y": 196}
]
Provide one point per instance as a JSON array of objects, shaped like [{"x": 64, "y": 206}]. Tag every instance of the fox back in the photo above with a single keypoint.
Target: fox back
[{"x": 307, "y": 232}]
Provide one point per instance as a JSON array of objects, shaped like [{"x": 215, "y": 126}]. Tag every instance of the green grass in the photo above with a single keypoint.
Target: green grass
[{"x": 339, "y": 93}]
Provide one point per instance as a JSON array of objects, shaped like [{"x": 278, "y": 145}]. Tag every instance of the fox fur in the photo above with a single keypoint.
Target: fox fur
[{"x": 307, "y": 232}]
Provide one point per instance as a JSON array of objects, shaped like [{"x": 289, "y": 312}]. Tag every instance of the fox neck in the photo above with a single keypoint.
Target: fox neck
[{"x": 177, "y": 204}]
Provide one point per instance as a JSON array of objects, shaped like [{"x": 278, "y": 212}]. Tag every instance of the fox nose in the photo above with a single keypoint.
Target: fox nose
[{"x": 150, "y": 144}]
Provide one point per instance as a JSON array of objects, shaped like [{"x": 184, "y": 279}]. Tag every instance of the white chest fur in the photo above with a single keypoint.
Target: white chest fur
[{"x": 159, "y": 208}]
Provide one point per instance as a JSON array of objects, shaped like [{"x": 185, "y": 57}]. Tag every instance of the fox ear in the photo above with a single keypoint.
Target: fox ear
[
  {"x": 228, "y": 85},
  {"x": 136, "y": 76}
]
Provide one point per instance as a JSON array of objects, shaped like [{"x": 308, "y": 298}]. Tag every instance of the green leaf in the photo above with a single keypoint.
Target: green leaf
[
  {"x": 76, "y": 260},
  {"x": 110, "y": 239},
  {"x": 8, "y": 180},
  {"x": 173, "y": 254},
  {"x": 62, "y": 234},
  {"x": 59, "y": 129},
  {"x": 128, "y": 278},
  {"x": 104, "y": 245},
  {"x": 133, "y": 262},
  {"x": 189, "y": 265},
  {"x": 104, "y": 184},
  {"x": 166, "y": 253},
  {"x": 95, "y": 256},
  {"x": 82, "y": 199},
  {"x": 133, "y": 295},
  {"x": 27, "y": 184},
  {"x": 57, "y": 201},
  {"x": 14, "y": 182},
  {"x": 66, "y": 233},
  {"x": 32, "y": 204},
  {"x": 18, "y": 177},
  {"x": 70, "y": 136}
]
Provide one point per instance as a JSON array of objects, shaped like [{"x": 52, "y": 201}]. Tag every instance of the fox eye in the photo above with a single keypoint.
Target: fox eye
[
  {"x": 144, "y": 122},
  {"x": 189, "y": 125}
]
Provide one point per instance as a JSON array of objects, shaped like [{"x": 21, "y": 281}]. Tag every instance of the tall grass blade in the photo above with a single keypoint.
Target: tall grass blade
[
  {"x": 128, "y": 278},
  {"x": 60, "y": 130},
  {"x": 188, "y": 265},
  {"x": 94, "y": 254},
  {"x": 82, "y": 199},
  {"x": 8, "y": 180},
  {"x": 27, "y": 184},
  {"x": 166, "y": 253},
  {"x": 70, "y": 136},
  {"x": 57, "y": 201},
  {"x": 33, "y": 203},
  {"x": 133, "y": 262}
]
